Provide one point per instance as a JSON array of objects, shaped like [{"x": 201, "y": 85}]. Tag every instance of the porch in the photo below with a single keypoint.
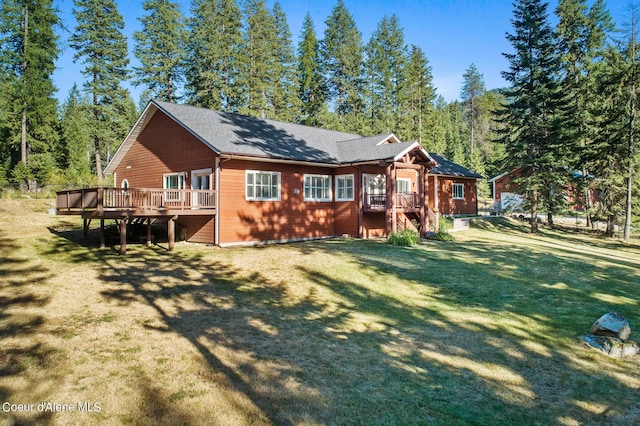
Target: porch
[
  {"x": 409, "y": 202},
  {"x": 124, "y": 205}
]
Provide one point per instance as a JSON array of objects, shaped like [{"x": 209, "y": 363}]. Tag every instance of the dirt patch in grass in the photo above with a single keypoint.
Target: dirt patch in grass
[{"x": 483, "y": 330}]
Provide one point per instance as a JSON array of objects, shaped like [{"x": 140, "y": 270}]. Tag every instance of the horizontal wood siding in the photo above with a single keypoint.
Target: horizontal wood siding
[
  {"x": 287, "y": 219},
  {"x": 163, "y": 147},
  {"x": 346, "y": 212},
  {"x": 447, "y": 205},
  {"x": 375, "y": 225},
  {"x": 166, "y": 147},
  {"x": 200, "y": 229}
]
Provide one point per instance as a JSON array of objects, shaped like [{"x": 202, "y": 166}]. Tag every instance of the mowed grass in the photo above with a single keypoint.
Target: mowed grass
[{"x": 482, "y": 330}]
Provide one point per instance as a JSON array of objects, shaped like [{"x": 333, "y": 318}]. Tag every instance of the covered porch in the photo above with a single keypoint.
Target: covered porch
[
  {"x": 124, "y": 205},
  {"x": 400, "y": 190}
]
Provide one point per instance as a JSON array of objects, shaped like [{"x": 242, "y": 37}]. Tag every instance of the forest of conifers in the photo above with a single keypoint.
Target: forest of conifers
[{"x": 569, "y": 106}]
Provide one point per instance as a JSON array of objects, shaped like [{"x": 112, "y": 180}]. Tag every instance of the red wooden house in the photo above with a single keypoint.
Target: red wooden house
[{"x": 230, "y": 179}]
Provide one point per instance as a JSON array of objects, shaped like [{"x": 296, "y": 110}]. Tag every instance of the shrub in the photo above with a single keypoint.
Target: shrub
[
  {"x": 406, "y": 238},
  {"x": 443, "y": 236}
]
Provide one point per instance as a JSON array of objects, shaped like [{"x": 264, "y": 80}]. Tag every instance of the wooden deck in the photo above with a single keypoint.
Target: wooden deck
[
  {"x": 125, "y": 205},
  {"x": 112, "y": 203}
]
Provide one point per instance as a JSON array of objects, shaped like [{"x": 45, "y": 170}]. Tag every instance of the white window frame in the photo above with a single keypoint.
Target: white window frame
[
  {"x": 250, "y": 185},
  {"x": 314, "y": 183},
  {"x": 341, "y": 186},
  {"x": 461, "y": 190},
  {"x": 406, "y": 182},
  {"x": 170, "y": 195}
]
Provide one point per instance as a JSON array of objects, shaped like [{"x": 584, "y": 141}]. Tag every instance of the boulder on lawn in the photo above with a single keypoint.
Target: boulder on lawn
[
  {"x": 612, "y": 325},
  {"x": 612, "y": 346}
]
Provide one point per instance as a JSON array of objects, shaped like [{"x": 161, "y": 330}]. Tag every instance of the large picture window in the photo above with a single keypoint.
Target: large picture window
[
  {"x": 263, "y": 186},
  {"x": 317, "y": 188},
  {"x": 344, "y": 188},
  {"x": 458, "y": 191}
]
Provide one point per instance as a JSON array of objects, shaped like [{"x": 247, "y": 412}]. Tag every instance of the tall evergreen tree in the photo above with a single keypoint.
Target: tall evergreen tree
[
  {"x": 100, "y": 43},
  {"x": 286, "y": 103},
  {"x": 472, "y": 89},
  {"x": 385, "y": 63},
  {"x": 582, "y": 34},
  {"x": 76, "y": 137},
  {"x": 342, "y": 56},
  {"x": 531, "y": 118},
  {"x": 419, "y": 121},
  {"x": 160, "y": 48},
  {"x": 259, "y": 60},
  {"x": 312, "y": 90},
  {"x": 213, "y": 57},
  {"x": 28, "y": 51}
]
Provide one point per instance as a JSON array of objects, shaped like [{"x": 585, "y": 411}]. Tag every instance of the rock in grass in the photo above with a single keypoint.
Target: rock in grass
[
  {"x": 612, "y": 325},
  {"x": 612, "y": 346}
]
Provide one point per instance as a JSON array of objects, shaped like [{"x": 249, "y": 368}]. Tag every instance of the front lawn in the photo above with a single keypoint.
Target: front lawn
[{"x": 482, "y": 330}]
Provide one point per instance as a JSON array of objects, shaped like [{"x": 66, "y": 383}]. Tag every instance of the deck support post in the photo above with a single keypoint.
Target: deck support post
[
  {"x": 102, "y": 245},
  {"x": 359, "y": 189},
  {"x": 123, "y": 236},
  {"x": 171, "y": 232},
  {"x": 148, "y": 232},
  {"x": 85, "y": 226}
]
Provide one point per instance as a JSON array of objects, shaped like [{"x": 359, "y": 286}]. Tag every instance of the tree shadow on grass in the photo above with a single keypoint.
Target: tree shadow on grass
[
  {"x": 481, "y": 338},
  {"x": 22, "y": 354}
]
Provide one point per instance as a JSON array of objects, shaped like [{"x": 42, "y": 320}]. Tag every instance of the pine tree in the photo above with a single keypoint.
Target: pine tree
[
  {"x": 286, "y": 103},
  {"x": 342, "y": 56},
  {"x": 76, "y": 137},
  {"x": 100, "y": 43},
  {"x": 386, "y": 56},
  {"x": 419, "y": 123},
  {"x": 530, "y": 120},
  {"x": 312, "y": 90},
  {"x": 472, "y": 90},
  {"x": 213, "y": 55},
  {"x": 582, "y": 36},
  {"x": 258, "y": 60},
  {"x": 28, "y": 51},
  {"x": 160, "y": 48}
]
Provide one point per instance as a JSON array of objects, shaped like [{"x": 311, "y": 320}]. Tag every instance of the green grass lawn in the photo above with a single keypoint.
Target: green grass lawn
[{"x": 482, "y": 330}]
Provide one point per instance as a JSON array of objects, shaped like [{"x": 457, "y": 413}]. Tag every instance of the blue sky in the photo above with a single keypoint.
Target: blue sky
[{"x": 453, "y": 34}]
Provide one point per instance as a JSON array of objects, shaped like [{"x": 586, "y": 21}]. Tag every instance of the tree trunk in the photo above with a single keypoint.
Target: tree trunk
[{"x": 534, "y": 212}]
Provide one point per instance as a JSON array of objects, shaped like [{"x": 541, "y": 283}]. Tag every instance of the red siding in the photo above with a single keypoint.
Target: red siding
[
  {"x": 290, "y": 218},
  {"x": 163, "y": 147},
  {"x": 446, "y": 204},
  {"x": 166, "y": 147}
]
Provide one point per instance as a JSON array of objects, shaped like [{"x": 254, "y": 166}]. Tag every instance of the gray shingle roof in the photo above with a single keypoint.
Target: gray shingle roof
[
  {"x": 447, "y": 167},
  {"x": 228, "y": 133},
  {"x": 234, "y": 134}
]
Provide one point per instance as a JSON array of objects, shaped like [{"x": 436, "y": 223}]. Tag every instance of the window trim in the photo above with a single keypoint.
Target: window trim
[
  {"x": 264, "y": 172},
  {"x": 353, "y": 187},
  {"x": 306, "y": 197},
  {"x": 169, "y": 193},
  {"x": 453, "y": 191}
]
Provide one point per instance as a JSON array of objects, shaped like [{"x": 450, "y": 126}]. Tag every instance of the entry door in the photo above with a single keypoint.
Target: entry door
[
  {"x": 375, "y": 190},
  {"x": 201, "y": 180}
]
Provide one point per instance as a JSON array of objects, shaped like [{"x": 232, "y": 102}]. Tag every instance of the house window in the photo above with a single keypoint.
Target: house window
[
  {"x": 458, "y": 191},
  {"x": 317, "y": 188},
  {"x": 344, "y": 188},
  {"x": 263, "y": 186},
  {"x": 173, "y": 181},
  {"x": 403, "y": 186}
]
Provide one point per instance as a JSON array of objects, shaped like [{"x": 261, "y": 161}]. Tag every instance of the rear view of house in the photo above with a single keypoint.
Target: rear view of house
[{"x": 230, "y": 179}]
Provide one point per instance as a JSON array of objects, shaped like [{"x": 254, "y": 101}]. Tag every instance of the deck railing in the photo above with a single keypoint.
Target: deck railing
[
  {"x": 407, "y": 201},
  {"x": 77, "y": 201}
]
